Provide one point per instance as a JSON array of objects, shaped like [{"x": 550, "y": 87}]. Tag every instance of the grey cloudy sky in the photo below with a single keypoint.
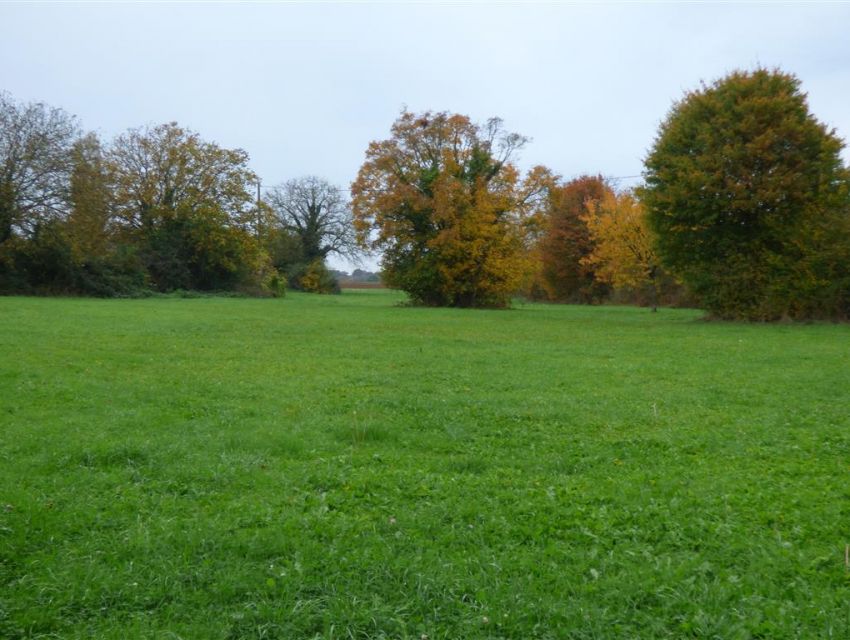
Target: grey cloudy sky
[{"x": 304, "y": 87}]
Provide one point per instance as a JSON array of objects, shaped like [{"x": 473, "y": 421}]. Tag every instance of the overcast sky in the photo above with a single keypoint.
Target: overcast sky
[{"x": 305, "y": 87}]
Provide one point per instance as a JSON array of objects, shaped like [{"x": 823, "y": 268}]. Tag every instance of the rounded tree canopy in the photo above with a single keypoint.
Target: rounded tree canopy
[
  {"x": 739, "y": 168},
  {"x": 444, "y": 203}
]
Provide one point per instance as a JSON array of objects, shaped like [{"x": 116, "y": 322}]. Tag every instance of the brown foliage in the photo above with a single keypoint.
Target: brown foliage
[{"x": 567, "y": 242}]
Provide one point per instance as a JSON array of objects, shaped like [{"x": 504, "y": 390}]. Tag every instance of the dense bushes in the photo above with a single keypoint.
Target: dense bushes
[
  {"x": 313, "y": 277},
  {"x": 196, "y": 249},
  {"x": 46, "y": 264}
]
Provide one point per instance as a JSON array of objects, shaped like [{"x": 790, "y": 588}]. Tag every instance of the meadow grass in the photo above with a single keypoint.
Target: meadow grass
[{"x": 344, "y": 467}]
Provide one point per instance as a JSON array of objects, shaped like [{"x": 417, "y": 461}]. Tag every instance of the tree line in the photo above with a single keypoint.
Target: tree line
[
  {"x": 156, "y": 209},
  {"x": 744, "y": 210}
]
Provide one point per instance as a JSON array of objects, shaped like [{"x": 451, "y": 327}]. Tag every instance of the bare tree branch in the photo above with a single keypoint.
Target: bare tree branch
[
  {"x": 35, "y": 164},
  {"x": 318, "y": 214}
]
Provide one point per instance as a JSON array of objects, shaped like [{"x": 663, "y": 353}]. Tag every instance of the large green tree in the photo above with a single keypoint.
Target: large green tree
[
  {"x": 444, "y": 202},
  {"x": 747, "y": 194},
  {"x": 188, "y": 205}
]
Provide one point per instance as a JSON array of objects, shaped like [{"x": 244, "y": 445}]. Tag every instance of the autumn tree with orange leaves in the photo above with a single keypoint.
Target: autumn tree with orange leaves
[
  {"x": 566, "y": 242},
  {"x": 444, "y": 202}
]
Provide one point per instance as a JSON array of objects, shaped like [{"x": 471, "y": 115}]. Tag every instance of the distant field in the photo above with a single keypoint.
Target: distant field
[
  {"x": 342, "y": 467},
  {"x": 351, "y": 284}
]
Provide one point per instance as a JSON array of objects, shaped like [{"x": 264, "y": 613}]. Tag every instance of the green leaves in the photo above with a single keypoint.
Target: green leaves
[{"x": 739, "y": 172}]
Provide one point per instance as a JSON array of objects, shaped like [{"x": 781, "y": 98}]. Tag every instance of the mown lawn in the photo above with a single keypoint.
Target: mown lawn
[{"x": 342, "y": 467}]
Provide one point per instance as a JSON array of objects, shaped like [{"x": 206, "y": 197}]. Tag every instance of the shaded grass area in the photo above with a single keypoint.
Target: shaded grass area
[{"x": 341, "y": 467}]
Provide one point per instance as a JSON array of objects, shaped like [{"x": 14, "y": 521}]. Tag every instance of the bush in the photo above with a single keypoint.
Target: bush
[
  {"x": 201, "y": 250},
  {"x": 313, "y": 277},
  {"x": 45, "y": 264},
  {"x": 116, "y": 275}
]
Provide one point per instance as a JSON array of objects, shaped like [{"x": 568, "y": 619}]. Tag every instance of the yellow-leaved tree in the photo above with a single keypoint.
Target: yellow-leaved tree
[{"x": 623, "y": 254}]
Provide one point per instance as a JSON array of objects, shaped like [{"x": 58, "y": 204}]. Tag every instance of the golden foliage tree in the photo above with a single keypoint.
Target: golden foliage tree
[
  {"x": 451, "y": 213},
  {"x": 91, "y": 201},
  {"x": 623, "y": 254}
]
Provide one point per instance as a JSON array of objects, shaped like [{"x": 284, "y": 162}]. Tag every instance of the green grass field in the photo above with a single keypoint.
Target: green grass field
[{"x": 343, "y": 467}]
